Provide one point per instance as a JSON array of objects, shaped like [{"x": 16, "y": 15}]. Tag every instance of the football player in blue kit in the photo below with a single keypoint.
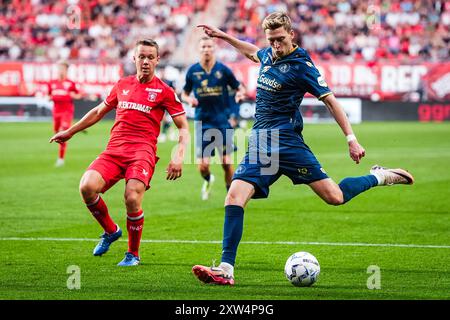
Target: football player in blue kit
[
  {"x": 286, "y": 74},
  {"x": 208, "y": 80}
]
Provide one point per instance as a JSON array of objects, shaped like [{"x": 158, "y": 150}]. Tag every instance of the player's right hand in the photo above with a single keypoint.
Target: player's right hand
[
  {"x": 356, "y": 151},
  {"x": 211, "y": 31},
  {"x": 174, "y": 170},
  {"x": 61, "y": 136}
]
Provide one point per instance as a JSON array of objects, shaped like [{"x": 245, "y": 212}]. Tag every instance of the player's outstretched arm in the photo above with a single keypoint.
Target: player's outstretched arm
[
  {"x": 246, "y": 48},
  {"x": 89, "y": 119},
  {"x": 356, "y": 151},
  {"x": 175, "y": 166}
]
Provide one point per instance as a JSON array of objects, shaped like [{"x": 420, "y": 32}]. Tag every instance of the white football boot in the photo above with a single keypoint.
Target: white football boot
[{"x": 389, "y": 177}]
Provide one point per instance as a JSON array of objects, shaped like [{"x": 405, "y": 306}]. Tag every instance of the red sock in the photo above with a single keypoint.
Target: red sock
[
  {"x": 62, "y": 150},
  {"x": 135, "y": 223},
  {"x": 100, "y": 212}
]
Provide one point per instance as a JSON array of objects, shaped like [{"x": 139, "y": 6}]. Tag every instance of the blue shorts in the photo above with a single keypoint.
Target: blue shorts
[
  {"x": 207, "y": 140},
  {"x": 274, "y": 153}
]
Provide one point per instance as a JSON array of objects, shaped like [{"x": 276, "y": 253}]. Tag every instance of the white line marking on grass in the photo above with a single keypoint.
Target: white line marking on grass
[{"x": 342, "y": 244}]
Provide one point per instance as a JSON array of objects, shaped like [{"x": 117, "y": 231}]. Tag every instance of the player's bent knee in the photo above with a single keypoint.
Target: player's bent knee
[
  {"x": 88, "y": 190},
  {"x": 234, "y": 199},
  {"x": 334, "y": 199}
]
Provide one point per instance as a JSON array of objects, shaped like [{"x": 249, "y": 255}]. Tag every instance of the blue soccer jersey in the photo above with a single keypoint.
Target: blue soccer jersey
[
  {"x": 210, "y": 89},
  {"x": 281, "y": 86},
  {"x": 276, "y": 146}
]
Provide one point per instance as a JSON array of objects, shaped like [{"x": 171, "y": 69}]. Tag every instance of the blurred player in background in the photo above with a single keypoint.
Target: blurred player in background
[
  {"x": 140, "y": 101},
  {"x": 62, "y": 91},
  {"x": 286, "y": 74},
  {"x": 234, "y": 106},
  {"x": 208, "y": 80}
]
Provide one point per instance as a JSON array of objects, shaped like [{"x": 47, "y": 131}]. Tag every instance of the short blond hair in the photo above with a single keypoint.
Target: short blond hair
[{"x": 276, "y": 20}]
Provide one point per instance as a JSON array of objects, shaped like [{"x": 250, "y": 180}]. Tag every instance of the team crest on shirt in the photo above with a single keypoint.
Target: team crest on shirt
[
  {"x": 218, "y": 74},
  {"x": 152, "y": 96},
  {"x": 284, "y": 67}
]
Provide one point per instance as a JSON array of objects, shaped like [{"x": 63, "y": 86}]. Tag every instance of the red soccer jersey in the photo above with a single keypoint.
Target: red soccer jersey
[
  {"x": 60, "y": 91},
  {"x": 139, "y": 110}
]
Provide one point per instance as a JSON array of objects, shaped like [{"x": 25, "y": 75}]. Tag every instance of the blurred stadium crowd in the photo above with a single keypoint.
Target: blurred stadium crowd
[
  {"x": 90, "y": 30},
  {"x": 351, "y": 30}
]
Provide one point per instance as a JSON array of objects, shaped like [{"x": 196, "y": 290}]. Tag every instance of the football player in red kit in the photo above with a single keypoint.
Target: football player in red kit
[
  {"x": 140, "y": 102},
  {"x": 62, "y": 91}
]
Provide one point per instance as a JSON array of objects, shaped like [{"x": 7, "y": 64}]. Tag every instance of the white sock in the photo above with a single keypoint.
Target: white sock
[
  {"x": 379, "y": 179},
  {"x": 228, "y": 268}
]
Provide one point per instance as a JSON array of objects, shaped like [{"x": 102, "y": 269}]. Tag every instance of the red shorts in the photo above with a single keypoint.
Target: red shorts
[
  {"x": 62, "y": 121},
  {"x": 113, "y": 167}
]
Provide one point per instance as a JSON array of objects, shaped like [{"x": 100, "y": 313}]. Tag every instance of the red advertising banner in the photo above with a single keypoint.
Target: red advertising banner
[
  {"x": 437, "y": 83},
  {"x": 382, "y": 81},
  {"x": 29, "y": 78},
  {"x": 11, "y": 80}
]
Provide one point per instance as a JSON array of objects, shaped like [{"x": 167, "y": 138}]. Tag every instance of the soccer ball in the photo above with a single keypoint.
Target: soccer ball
[{"x": 302, "y": 269}]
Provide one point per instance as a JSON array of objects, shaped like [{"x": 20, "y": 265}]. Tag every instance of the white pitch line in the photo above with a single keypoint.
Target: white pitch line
[{"x": 342, "y": 244}]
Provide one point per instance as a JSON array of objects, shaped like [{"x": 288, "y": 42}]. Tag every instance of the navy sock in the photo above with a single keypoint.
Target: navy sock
[
  {"x": 207, "y": 177},
  {"x": 351, "y": 187},
  {"x": 228, "y": 187},
  {"x": 232, "y": 232}
]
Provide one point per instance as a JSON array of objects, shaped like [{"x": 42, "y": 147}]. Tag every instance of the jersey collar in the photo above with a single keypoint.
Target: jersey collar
[
  {"x": 295, "y": 47},
  {"x": 212, "y": 68}
]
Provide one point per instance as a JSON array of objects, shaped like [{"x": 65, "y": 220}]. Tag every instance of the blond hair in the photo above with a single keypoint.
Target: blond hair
[{"x": 276, "y": 20}]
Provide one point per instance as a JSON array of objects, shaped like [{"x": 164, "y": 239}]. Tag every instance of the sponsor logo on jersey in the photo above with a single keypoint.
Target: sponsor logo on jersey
[
  {"x": 272, "y": 83},
  {"x": 59, "y": 92},
  {"x": 321, "y": 82},
  {"x": 134, "y": 106},
  {"x": 198, "y": 74},
  {"x": 284, "y": 67},
  {"x": 153, "y": 90}
]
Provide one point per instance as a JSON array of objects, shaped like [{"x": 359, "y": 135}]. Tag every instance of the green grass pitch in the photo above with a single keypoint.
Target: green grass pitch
[{"x": 39, "y": 203}]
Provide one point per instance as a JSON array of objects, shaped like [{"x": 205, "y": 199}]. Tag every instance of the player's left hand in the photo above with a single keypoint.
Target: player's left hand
[
  {"x": 357, "y": 152},
  {"x": 174, "y": 170}
]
